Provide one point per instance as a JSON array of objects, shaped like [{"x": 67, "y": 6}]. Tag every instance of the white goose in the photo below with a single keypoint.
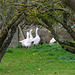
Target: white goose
[
  {"x": 36, "y": 40},
  {"x": 27, "y": 42},
  {"x": 31, "y": 37},
  {"x": 22, "y": 41},
  {"x": 53, "y": 41}
]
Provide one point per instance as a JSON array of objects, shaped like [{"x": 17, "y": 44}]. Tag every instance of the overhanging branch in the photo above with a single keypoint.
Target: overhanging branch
[
  {"x": 49, "y": 27},
  {"x": 4, "y": 32},
  {"x": 9, "y": 37},
  {"x": 67, "y": 27}
]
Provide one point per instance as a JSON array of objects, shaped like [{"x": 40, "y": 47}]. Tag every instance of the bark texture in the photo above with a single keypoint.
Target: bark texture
[
  {"x": 9, "y": 37},
  {"x": 64, "y": 24},
  {"x": 4, "y": 32},
  {"x": 67, "y": 45}
]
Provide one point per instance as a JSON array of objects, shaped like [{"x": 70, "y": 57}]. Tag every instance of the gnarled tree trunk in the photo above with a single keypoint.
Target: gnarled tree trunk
[
  {"x": 9, "y": 37},
  {"x": 67, "y": 45},
  {"x": 4, "y": 32}
]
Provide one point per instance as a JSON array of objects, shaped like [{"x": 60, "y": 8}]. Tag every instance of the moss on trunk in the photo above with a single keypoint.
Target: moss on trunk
[
  {"x": 4, "y": 32},
  {"x": 9, "y": 37}
]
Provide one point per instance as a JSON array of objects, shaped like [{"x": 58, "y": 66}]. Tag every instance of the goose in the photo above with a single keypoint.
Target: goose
[
  {"x": 31, "y": 37},
  {"x": 52, "y": 41},
  {"x": 22, "y": 41},
  {"x": 27, "y": 42},
  {"x": 36, "y": 40}
]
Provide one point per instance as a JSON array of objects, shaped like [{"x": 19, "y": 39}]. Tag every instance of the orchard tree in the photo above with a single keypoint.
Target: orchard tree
[
  {"x": 46, "y": 12},
  {"x": 49, "y": 12},
  {"x": 14, "y": 16}
]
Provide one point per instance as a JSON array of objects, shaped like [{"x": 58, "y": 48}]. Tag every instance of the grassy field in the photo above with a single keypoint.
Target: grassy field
[{"x": 38, "y": 60}]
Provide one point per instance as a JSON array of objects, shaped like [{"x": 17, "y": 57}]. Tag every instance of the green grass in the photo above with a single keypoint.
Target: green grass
[{"x": 43, "y": 59}]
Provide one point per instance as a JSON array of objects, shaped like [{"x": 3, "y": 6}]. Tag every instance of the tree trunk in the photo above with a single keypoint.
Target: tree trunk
[
  {"x": 4, "y": 32},
  {"x": 64, "y": 24},
  {"x": 63, "y": 43},
  {"x": 9, "y": 37},
  {"x": 67, "y": 27},
  {"x": 17, "y": 35},
  {"x": 21, "y": 32}
]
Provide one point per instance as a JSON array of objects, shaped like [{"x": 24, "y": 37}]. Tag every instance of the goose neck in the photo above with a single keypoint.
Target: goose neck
[
  {"x": 36, "y": 32},
  {"x": 27, "y": 36},
  {"x": 31, "y": 35}
]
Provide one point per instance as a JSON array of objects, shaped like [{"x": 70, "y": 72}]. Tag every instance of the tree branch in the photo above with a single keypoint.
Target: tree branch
[
  {"x": 4, "y": 32},
  {"x": 62, "y": 42},
  {"x": 9, "y": 36},
  {"x": 67, "y": 27}
]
